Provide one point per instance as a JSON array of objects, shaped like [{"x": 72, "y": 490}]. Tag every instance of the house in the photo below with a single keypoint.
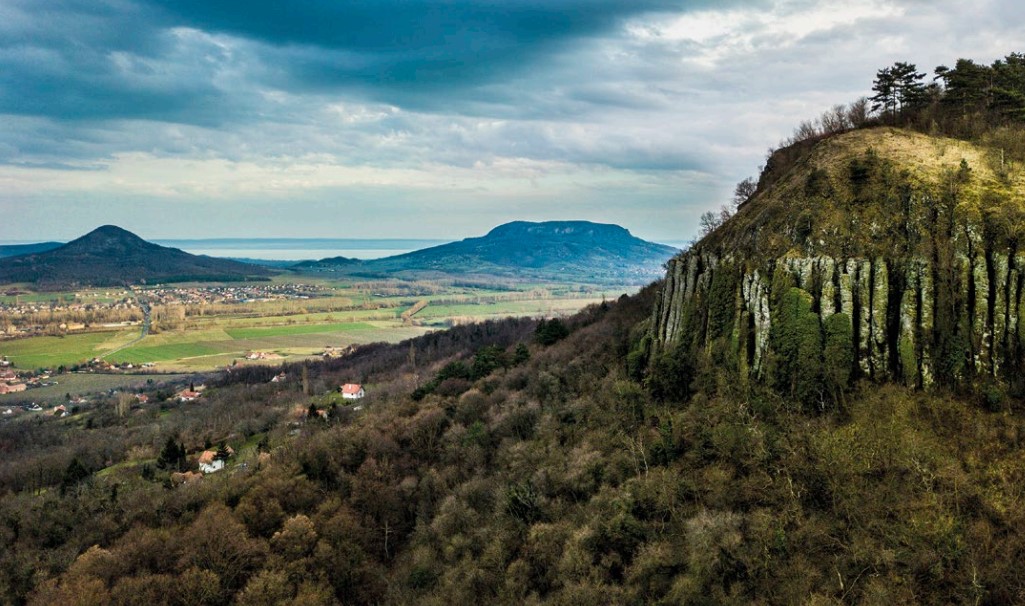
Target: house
[
  {"x": 5, "y": 388},
  {"x": 60, "y": 411},
  {"x": 353, "y": 391},
  {"x": 279, "y": 378},
  {"x": 142, "y": 398},
  {"x": 187, "y": 395},
  {"x": 8, "y": 375},
  {"x": 209, "y": 463}
]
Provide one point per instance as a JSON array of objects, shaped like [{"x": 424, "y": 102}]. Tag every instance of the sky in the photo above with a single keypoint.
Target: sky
[{"x": 429, "y": 119}]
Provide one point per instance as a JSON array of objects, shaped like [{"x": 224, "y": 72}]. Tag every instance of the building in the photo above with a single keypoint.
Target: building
[
  {"x": 209, "y": 463},
  {"x": 353, "y": 391},
  {"x": 278, "y": 378},
  {"x": 17, "y": 387},
  {"x": 187, "y": 395}
]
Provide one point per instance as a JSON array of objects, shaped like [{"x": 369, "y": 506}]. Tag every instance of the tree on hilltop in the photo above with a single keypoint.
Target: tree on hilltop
[{"x": 898, "y": 88}]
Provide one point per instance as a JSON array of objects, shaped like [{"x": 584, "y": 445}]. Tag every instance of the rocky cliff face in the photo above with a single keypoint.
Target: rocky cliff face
[
  {"x": 889, "y": 304},
  {"x": 933, "y": 295}
]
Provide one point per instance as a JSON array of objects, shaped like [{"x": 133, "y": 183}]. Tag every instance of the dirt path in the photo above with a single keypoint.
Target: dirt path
[{"x": 146, "y": 318}]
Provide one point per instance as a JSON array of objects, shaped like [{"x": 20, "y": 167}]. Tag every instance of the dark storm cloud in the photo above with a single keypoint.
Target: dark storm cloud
[
  {"x": 104, "y": 59},
  {"x": 77, "y": 77},
  {"x": 409, "y": 43}
]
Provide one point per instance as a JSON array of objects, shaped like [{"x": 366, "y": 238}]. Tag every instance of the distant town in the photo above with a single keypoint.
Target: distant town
[{"x": 87, "y": 310}]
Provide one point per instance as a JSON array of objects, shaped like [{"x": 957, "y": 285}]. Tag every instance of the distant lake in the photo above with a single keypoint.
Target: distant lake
[{"x": 300, "y": 249}]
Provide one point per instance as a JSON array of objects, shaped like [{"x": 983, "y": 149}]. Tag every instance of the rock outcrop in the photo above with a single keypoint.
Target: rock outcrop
[{"x": 928, "y": 277}]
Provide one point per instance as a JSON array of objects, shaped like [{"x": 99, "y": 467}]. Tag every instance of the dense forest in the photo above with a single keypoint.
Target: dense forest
[
  {"x": 550, "y": 476},
  {"x": 593, "y": 459}
]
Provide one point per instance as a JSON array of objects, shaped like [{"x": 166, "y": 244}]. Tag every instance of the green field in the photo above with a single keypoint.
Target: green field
[
  {"x": 212, "y": 348},
  {"x": 163, "y": 353},
  {"x": 295, "y": 329},
  {"x": 50, "y": 352}
]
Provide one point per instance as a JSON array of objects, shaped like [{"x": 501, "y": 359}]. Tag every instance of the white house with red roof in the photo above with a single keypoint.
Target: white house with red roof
[
  {"x": 209, "y": 463},
  {"x": 353, "y": 391}
]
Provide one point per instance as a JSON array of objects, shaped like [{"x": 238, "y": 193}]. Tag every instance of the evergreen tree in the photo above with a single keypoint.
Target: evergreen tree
[
  {"x": 172, "y": 456},
  {"x": 73, "y": 475},
  {"x": 522, "y": 354},
  {"x": 910, "y": 88},
  {"x": 885, "y": 88},
  {"x": 550, "y": 331}
]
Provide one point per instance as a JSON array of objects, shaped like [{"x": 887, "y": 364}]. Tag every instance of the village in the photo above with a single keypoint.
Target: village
[
  {"x": 228, "y": 294},
  {"x": 186, "y": 468},
  {"x": 72, "y": 313},
  {"x": 13, "y": 381},
  {"x": 105, "y": 310}
]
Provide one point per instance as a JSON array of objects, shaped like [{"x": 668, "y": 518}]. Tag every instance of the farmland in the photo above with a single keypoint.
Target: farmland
[{"x": 198, "y": 327}]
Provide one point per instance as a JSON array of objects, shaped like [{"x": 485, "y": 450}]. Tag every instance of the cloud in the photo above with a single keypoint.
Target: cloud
[{"x": 645, "y": 110}]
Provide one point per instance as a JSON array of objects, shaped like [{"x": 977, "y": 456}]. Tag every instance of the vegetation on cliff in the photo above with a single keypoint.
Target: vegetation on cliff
[{"x": 910, "y": 235}]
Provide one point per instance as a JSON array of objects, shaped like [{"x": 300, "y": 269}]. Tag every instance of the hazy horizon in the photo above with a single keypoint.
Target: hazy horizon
[{"x": 301, "y": 249}]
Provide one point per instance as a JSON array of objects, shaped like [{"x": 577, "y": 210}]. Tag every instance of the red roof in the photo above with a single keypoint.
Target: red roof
[{"x": 351, "y": 388}]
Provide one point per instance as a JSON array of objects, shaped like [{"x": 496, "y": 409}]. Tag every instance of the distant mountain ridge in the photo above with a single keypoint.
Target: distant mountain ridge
[
  {"x": 14, "y": 250},
  {"x": 110, "y": 255},
  {"x": 562, "y": 250}
]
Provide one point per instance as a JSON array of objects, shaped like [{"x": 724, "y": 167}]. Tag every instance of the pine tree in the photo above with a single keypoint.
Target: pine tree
[
  {"x": 75, "y": 473},
  {"x": 522, "y": 354},
  {"x": 172, "y": 456},
  {"x": 910, "y": 88},
  {"x": 885, "y": 98}
]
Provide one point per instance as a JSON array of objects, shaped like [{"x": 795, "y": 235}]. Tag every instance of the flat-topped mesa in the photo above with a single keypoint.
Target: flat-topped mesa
[{"x": 862, "y": 255}]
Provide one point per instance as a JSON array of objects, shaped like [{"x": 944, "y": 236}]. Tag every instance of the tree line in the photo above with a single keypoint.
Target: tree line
[{"x": 971, "y": 100}]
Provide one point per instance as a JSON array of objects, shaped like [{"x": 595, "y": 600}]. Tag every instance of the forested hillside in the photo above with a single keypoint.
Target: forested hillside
[
  {"x": 109, "y": 255},
  {"x": 536, "y": 474}
]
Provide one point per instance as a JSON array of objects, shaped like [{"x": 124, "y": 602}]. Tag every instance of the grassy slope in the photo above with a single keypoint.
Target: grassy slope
[
  {"x": 39, "y": 352},
  {"x": 765, "y": 227}
]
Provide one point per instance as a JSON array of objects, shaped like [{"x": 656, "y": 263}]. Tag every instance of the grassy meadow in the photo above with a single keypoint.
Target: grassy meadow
[{"x": 50, "y": 352}]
